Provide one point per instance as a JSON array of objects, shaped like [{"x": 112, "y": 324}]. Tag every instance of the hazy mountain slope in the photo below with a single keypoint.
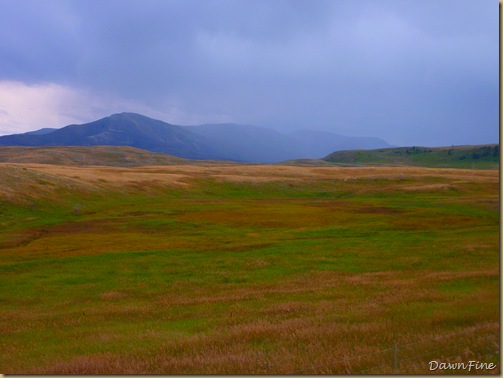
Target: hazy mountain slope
[
  {"x": 249, "y": 143},
  {"x": 317, "y": 144}
]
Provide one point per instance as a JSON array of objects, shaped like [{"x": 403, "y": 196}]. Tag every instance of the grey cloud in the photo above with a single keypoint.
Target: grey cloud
[
  {"x": 38, "y": 41},
  {"x": 402, "y": 70}
]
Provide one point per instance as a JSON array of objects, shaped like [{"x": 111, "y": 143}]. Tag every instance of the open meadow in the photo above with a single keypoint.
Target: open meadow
[{"x": 247, "y": 269}]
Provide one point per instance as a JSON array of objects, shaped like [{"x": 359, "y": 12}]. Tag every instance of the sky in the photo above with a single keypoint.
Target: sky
[{"x": 412, "y": 72}]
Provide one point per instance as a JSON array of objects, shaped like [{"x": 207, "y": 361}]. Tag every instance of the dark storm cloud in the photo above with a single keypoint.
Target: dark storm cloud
[
  {"x": 37, "y": 41},
  {"x": 412, "y": 72}
]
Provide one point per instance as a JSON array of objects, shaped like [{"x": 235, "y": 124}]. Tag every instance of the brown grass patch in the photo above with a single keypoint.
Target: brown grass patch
[
  {"x": 111, "y": 295},
  {"x": 447, "y": 276},
  {"x": 21, "y": 238},
  {"x": 377, "y": 210},
  {"x": 428, "y": 187}
]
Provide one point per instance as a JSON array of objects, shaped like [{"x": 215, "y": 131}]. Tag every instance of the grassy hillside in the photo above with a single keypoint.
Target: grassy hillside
[
  {"x": 244, "y": 269},
  {"x": 97, "y": 155},
  {"x": 468, "y": 157}
]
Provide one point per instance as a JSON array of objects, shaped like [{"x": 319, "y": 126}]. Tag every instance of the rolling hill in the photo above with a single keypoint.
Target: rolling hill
[
  {"x": 206, "y": 142},
  {"x": 96, "y": 155},
  {"x": 475, "y": 157}
]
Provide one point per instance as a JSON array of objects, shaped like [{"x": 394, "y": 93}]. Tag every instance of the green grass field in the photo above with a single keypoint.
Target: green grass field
[
  {"x": 246, "y": 270},
  {"x": 466, "y": 157}
]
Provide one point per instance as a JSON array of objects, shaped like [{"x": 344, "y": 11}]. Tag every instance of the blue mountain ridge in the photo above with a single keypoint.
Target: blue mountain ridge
[{"x": 205, "y": 142}]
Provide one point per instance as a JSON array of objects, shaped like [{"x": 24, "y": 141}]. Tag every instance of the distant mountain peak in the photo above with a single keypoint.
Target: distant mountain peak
[
  {"x": 208, "y": 142},
  {"x": 124, "y": 116}
]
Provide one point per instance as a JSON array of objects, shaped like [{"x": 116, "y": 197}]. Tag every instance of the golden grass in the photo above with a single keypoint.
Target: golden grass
[
  {"x": 259, "y": 172},
  {"x": 21, "y": 182},
  {"x": 89, "y": 155}
]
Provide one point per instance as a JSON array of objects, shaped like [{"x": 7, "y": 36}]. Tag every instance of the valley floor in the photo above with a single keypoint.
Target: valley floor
[{"x": 247, "y": 269}]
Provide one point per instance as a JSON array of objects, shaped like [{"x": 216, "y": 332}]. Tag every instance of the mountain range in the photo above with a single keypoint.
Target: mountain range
[{"x": 205, "y": 142}]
